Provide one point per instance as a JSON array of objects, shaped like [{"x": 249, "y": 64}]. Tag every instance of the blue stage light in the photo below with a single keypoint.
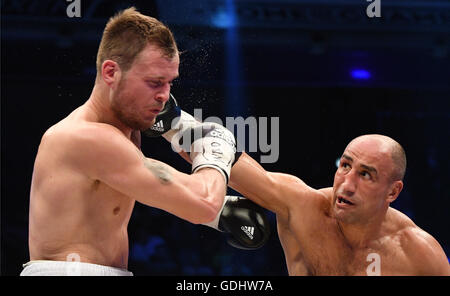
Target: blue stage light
[
  {"x": 236, "y": 100},
  {"x": 360, "y": 74},
  {"x": 224, "y": 19}
]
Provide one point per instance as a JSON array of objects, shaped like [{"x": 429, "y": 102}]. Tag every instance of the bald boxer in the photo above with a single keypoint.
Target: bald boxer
[
  {"x": 347, "y": 229},
  {"x": 350, "y": 228},
  {"x": 89, "y": 169}
]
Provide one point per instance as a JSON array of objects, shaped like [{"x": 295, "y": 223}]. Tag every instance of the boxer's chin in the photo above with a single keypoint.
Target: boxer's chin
[
  {"x": 344, "y": 216},
  {"x": 135, "y": 124},
  {"x": 132, "y": 121},
  {"x": 147, "y": 125},
  {"x": 148, "y": 122},
  {"x": 141, "y": 125}
]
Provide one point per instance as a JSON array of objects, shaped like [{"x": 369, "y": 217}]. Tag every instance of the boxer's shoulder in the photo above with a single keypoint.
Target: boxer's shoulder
[
  {"x": 80, "y": 124},
  {"x": 423, "y": 251},
  {"x": 82, "y": 142},
  {"x": 94, "y": 138},
  {"x": 420, "y": 248},
  {"x": 415, "y": 239},
  {"x": 73, "y": 131}
]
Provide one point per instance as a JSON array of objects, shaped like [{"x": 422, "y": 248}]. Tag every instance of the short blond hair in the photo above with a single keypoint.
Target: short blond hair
[{"x": 127, "y": 33}]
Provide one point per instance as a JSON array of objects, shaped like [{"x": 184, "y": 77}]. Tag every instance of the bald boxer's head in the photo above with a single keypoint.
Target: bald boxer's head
[
  {"x": 136, "y": 62},
  {"x": 368, "y": 179}
]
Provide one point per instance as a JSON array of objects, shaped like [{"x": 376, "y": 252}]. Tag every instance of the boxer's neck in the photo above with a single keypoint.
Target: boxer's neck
[
  {"x": 362, "y": 235},
  {"x": 99, "y": 107}
]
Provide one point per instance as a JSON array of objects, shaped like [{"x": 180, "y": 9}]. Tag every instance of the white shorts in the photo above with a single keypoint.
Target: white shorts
[{"x": 67, "y": 268}]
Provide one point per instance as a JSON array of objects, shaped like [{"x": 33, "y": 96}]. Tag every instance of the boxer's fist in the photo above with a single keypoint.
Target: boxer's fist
[
  {"x": 208, "y": 144},
  {"x": 212, "y": 146},
  {"x": 244, "y": 221},
  {"x": 172, "y": 123}
]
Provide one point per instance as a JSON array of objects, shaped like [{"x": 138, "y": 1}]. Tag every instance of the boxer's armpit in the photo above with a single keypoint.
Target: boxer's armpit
[{"x": 160, "y": 170}]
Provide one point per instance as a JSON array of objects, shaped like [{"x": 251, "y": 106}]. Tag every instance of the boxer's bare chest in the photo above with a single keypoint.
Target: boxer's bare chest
[
  {"x": 322, "y": 250},
  {"x": 110, "y": 202}
]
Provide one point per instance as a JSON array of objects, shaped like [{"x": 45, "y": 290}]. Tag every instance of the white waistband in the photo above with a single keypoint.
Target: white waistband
[{"x": 67, "y": 268}]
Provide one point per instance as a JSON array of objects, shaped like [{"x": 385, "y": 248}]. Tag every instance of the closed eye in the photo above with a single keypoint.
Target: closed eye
[
  {"x": 159, "y": 83},
  {"x": 154, "y": 83}
]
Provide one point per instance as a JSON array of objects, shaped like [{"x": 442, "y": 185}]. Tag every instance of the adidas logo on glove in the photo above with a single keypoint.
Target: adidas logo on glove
[
  {"x": 248, "y": 231},
  {"x": 159, "y": 126}
]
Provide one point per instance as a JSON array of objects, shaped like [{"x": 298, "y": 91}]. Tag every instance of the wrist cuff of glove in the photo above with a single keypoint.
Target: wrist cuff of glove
[
  {"x": 213, "y": 166},
  {"x": 215, "y": 223}
]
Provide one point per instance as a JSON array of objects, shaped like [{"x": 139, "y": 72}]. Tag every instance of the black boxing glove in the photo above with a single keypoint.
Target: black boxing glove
[
  {"x": 173, "y": 123},
  {"x": 168, "y": 117},
  {"x": 183, "y": 131},
  {"x": 245, "y": 221}
]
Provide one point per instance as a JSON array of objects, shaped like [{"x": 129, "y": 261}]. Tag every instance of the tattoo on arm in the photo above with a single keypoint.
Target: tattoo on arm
[{"x": 159, "y": 170}]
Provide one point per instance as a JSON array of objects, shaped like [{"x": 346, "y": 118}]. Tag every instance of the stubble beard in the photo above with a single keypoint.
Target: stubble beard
[{"x": 122, "y": 111}]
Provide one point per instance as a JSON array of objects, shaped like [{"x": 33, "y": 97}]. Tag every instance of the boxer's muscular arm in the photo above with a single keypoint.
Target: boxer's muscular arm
[
  {"x": 274, "y": 191},
  {"x": 105, "y": 154}
]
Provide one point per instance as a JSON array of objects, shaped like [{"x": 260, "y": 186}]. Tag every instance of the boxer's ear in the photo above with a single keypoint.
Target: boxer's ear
[
  {"x": 395, "y": 190},
  {"x": 110, "y": 72}
]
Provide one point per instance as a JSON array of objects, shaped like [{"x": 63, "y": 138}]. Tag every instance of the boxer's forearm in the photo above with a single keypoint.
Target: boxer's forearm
[
  {"x": 210, "y": 186},
  {"x": 249, "y": 178},
  {"x": 196, "y": 197}
]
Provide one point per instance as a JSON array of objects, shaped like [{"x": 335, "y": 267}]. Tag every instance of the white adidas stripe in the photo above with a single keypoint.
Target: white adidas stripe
[{"x": 248, "y": 230}]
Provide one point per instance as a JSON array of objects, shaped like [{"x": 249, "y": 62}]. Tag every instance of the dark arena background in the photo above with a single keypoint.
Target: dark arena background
[{"x": 327, "y": 70}]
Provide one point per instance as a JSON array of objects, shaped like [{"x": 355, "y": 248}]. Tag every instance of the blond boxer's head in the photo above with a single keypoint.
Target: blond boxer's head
[{"x": 137, "y": 61}]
